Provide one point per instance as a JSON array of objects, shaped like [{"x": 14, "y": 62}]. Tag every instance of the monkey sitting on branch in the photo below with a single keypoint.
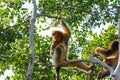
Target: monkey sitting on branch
[
  {"x": 59, "y": 49},
  {"x": 110, "y": 57}
]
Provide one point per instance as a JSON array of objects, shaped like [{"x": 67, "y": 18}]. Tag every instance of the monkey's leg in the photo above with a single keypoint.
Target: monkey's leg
[
  {"x": 81, "y": 66},
  {"x": 103, "y": 74},
  {"x": 57, "y": 56},
  {"x": 57, "y": 73}
]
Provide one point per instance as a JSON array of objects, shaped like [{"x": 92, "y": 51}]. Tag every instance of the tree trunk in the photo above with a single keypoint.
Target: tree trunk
[{"x": 31, "y": 61}]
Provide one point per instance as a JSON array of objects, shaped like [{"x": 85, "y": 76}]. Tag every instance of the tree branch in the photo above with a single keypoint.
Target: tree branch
[
  {"x": 46, "y": 65},
  {"x": 69, "y": 8},
  {"x": 93, "y": 60},
  {"x": 45, "y": 15},
  {"x": 97, "y": 61},
  {"x": 32, "y": 57},
  {"x": 62, "y": 8}
]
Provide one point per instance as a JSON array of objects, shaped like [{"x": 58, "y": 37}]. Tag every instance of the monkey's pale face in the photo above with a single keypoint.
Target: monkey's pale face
[{"x": 58, "y": 36}]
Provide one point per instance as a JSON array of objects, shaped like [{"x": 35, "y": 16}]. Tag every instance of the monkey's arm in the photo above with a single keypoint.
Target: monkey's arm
[
  {"x": 52, "y": 49},
  {"x": 114, "y": 55},
  {"x": 101, "y": 52},
  {"x": 103, "y": 74},
  {"x": 65, "y": 28}
]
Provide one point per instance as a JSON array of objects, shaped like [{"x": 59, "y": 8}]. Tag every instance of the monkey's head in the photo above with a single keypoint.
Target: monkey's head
[
  {"x": 114, "y": 45},
  {"x": 57, "y": 35}
]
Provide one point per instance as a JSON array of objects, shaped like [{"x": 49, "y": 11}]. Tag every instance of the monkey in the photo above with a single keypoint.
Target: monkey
[
  {"x": 59, "y": 46},
  {"x": 59, "y": 49},
  {"x": 110, "y": 57}
]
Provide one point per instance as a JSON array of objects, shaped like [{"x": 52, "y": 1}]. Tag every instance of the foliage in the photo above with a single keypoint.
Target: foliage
[{"x": 82, "y": 16}]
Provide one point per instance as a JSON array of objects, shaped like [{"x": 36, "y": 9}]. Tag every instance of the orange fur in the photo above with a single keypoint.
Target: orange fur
[
  {"x": 110, "y": 57},
  {"x": 81, "y": 66},
  {"x": 59, "y": 48}
]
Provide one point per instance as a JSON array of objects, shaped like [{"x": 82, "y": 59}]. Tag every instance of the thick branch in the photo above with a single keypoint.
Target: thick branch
[
  {"x": 95, "y": 60},
  {"x": 63, "y": 64},
  {"x": 31, "y": 61}
]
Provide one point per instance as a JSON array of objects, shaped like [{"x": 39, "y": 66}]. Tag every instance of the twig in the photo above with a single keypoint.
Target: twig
[
  {"x": 47, "y": 16},
  {"x": 69, "y": 8},
  {"x": 24, "y": 22},
  {"x": 46, "y": 65}
]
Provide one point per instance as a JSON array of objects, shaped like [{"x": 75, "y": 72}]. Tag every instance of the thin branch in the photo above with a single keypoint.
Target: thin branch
[
  {"x": 63, "y": 5},
  {"x": 62, "y": 8},
  {"x": 22, "y": 23},
  {"x": 69, "y": 8},
  {"x": 47, "y": 16},
  {"x": 46, "y": 65}
]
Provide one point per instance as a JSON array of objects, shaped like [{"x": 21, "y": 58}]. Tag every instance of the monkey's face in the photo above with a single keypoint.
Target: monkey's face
[{"x": 58, "y": 36}]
